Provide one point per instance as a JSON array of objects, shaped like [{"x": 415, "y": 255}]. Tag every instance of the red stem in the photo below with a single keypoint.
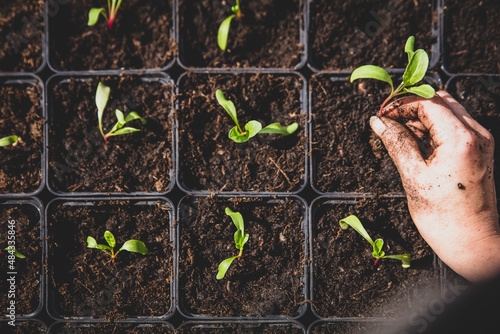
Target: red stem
[
  {"x": 376, "y": 261},
  {"x": 383, "y": 105}
]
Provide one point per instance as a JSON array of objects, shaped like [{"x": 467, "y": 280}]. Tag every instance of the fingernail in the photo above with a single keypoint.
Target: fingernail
[{"x": 377, "y": 125}]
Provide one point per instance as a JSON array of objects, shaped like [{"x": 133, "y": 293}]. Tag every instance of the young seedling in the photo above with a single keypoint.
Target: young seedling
[
  {"x": 94, "y": 13},
  {"x": 377, "y": 253},
  {"x": 418, "y": 62},
  {"x": 6, "y": 141},
  {"x": 101, "y": 99},
  {"x": 252, "y": 128},
  {"x": 223, "y": 33},
  {"x": 134, "y": 246},
  {"x": 240, "y": 239},
  {"x": 13, "y": 251}
]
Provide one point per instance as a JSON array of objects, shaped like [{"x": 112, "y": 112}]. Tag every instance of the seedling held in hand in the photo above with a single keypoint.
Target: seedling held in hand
[
  {"x": 6, "y": 141},
  {"x": 223, "y": 33},
  {"x": 378, "y": 253},
  {"x": 12, "y": 250},
  {"x": 101, "y": 99},
  {"x": 134, "y": 246},
  {"x": 418, "y": 62},
  {"x": 252, "y": 128},
  {"x": 94, "y": 13},
  {"x": 240, "y": 239}
]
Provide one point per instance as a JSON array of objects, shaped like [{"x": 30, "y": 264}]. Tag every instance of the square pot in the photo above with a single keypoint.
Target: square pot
[
  {"x": 142, "y": 36},
  {"x": 269, "y": 281},
  {"x": 80, "y": 162},
  {"x": 345, "y": 35},
  {"x": 84, "y": 284},
  {"x": 209, "y": 161},
  {"x": 270, "y": 34},
  {"x": 98, "y": 328},
  {"x": 346, "y": 283},
  {"x": 21, "y": 279},
  {"x": 22, "y": 114},
  {"x": 256, "y": 327}
]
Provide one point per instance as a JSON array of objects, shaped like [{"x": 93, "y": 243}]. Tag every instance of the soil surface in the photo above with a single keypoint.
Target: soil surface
[
  {"x": 21, "y": 31},
  {"x": 347, "y": 34},
  {"x": 140, "y": 37},
  {"x": 84, "y": 282},
  {"x": 472, "y": 32},
  {"x": 347, "y": 283},
  {"x": 364, "y": 327},
  {"x": 21, "y": 115},
  {"x": 246, "y": 328},
  {"x": 267, "y": 280},
  {"x": 80, "y": 160},
  {"x": 268, "y": 34},
  {"x": 95, "y": 328},
  {"x": 349, "y": 156},
  {"x": 29, "y": 270},
  {"x": 23, "y": 327},
  {"x": 209, "y": 160},
  {"x": 481, "y": 97}
]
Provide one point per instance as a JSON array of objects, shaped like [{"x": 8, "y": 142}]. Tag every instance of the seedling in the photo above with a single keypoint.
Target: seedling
[
  {"x": 223, "y": 33},
  {"x": 94, "y": 13},
  {"x": 240, "y": 239},
  {"x": 418, "y": 62},
  {"x": 101, "y": 99},
  {"x": 134, "y": 246},
  {"x": 252, "y": 128},
  {"x": 12, "y": 250},
  {"x": 6, "y": 141},
  {"x": 377, "y": 253}
]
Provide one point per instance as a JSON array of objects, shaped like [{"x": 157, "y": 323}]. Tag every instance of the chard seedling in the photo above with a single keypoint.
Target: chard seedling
[
  {"x": 94, "y": 13},
  {"x": 135, "y": 246},
  {"x": 6, "y": 141},
  {"x": 240, "y": 239},
  {"x": 223, "y": 33},
  {"x": 12, "y": 250},
  {"x": 377, "y": 245},
  {"x": 101, "y": 99},
  {"x": 252, "y": 128},
  {"x": 418, "y": 62}
]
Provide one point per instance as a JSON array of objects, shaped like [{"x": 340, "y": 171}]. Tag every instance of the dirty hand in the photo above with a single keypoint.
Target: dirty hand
[{"x": 449, "y": 185}]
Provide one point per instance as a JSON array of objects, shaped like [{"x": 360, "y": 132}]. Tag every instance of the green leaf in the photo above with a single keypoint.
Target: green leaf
[
  {"x": 404, "y": 258},
  {"x": 424, "y": 90},
  {"x": 91, "y": 242},
  {"x": 223, "y": 32},
  {"x": 224, "y": 266},
  {"x": 94, "y": 15},
  {"x": 355, "y": 223},
  {"x": 277, "y": 128},
  {"x": 372, "y": 72},
  {"x": 416, "y": 68},
  {"x": 236, "y": 136},
  {"x": 409, "y": 47},
  {"x": 119, "y": 117},
  {"x": 123, "y": 131},
  {"x": 15, "y": 252},
  {"x": 133, "y": 116},
  {"x": 377, "y": 248},
  {"x": 110, "y": 239},
  {"x": 101, "y": 99},
  {"x": 252, "y": 128},
  {"x": 228, "y": 106},
  {"x": 237, "y": 219},
  {"x": 135, "y": 246},
  {"x": 5, "y": 141}
]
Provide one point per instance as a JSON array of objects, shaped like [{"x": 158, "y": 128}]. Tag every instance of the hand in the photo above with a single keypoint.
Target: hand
[{"x": 448, "y": 182}]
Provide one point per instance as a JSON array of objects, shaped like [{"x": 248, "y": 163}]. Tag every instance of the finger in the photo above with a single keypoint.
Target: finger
[
  {"x": 400, "y": 144},
  {"x": 434, "y": 114}
]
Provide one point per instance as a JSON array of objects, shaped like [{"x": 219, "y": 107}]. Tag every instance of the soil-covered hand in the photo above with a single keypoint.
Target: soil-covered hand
[{"x": 448, "y": 179}]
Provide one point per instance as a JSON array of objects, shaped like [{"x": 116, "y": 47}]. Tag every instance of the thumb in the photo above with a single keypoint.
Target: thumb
[{"x": 400, "y": 144}]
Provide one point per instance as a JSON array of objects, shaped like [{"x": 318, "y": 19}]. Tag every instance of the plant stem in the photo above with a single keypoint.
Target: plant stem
[{"x": 240, "y": 254}]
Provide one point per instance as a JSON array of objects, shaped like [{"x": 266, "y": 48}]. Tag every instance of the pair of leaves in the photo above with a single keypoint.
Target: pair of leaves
[
  {"x": 101, "y": 100},
  {"x": 135, "y": 246},
  {"x": 223, "y": 33},
  {"x": 95, "y": 12},
  {"x": 252, "y": 128},
  {"x": 5, "y": 141},
  {"x": 418, "y": 62},
  {"x": 377, "y": 245},
  {"x": 240, "y": 239}
]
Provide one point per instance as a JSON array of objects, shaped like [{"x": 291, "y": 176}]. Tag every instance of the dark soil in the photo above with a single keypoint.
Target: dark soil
[
  {"x": 80, "y": 160},
  {"x": 21, "y": 31},
  {"x": 240, "y": 328},
  {"x": 348, "y": 156},
  {"x": 209, "y": 160},
  {"x": 23, "y": 327},
  {"x": 347, "y": 34},
  {"x": 363, "y": 327},
  {"x": 140, "y": 37},
  {"x": 347, "y": 284},
  {"x": 268, "y": 35},
  {"x": 96, "y": 328},
  {"x": 84, "y": 282},
  {"x": 29, "y": 270},
  {"x": 21, "y": 115},
  {"x": 481, "y": 97},
  {"x": 472, "y": 32},
  {"x": 266, "y": 281}
]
